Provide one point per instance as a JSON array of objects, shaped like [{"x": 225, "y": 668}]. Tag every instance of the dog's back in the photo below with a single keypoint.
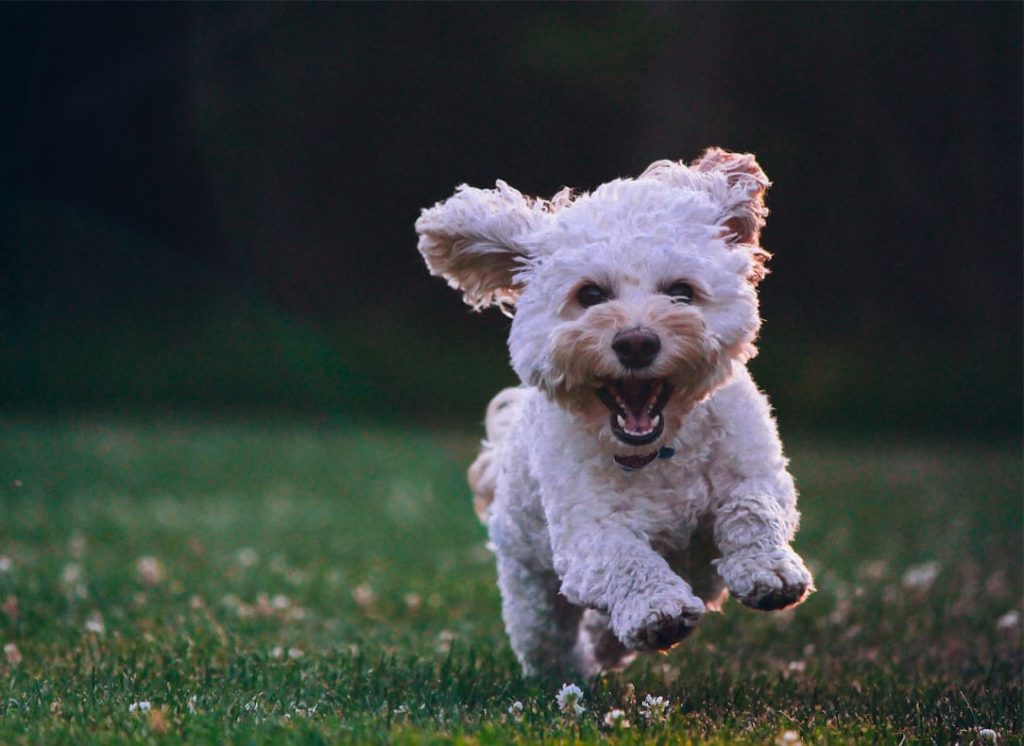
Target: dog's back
[{"x": 483, "y": 473}]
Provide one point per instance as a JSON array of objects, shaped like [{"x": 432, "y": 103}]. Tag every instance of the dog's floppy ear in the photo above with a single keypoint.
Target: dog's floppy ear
[
  {"x": 473, "y": 240},
  {"x": 744, "y": 200},
  {"x": 737, "y": 185}
]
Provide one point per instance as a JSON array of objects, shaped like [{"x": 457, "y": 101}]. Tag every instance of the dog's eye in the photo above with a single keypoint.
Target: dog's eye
[
  {"x": 591, "y": 295},
  {"x": 680, "y": 292}
]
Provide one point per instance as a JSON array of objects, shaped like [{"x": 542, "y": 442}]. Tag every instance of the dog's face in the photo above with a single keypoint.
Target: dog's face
[{"x": 631, "y": 303}]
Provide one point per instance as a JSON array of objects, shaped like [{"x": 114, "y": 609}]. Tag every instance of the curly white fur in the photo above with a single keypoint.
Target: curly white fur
[{"x": 596, "y": 561}]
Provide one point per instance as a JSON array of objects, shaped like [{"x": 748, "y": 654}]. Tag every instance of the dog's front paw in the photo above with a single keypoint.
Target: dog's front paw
[
  {"x": 769, "y": 580},
  {"x": 659, "y": 625}
]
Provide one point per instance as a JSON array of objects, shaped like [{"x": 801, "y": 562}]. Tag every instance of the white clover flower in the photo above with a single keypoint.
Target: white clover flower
[
  {"x": 1009, "y": 620},
  {"x": 921, "y": 577},
  {"x": 150, "y": 571},
  {"x": 295, "y": 653},
  {"x": 364, "y": 595},
  {"x": 94, "y": 624},
  {"x": 616, "y": 719},
  {"x": 655, "y": 709},
  {"x": 11, "y": 654},
  {"x": 143, "y": 706},
  {"x": 988, "y": 735},
  {"x": 71, "y": 574},
  {"x": 247, "y": 557},
  {"x": 789, "y": 738},
  {"x": 445, "y": 638},
  {"x": 515, "y": 710},
  {"x": 568, "y": 699},
  {"x": 6, "y": 563},
  {"x": 302, "y": 711}
]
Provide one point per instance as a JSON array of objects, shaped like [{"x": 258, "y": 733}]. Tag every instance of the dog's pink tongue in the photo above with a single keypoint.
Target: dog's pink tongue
[
  {"x": 638, "y": 423},
  {"x": 635, "y": 395}
]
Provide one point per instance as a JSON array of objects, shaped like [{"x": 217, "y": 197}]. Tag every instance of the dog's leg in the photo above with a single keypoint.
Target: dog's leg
[
  {"x": 541, "y": 624},
  {"x": 758, "y": 565},
  {"x": 598, "y": 648},
  {"x": 755, "y": 515},
  {"x": 607, "y": 567}
]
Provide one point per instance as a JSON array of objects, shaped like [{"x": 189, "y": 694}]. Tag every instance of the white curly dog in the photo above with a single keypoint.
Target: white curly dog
[{"x": 636, "y": 476}]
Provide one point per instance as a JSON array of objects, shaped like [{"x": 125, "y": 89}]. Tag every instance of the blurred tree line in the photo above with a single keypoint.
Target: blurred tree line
[{"x": 210, "y": 206}]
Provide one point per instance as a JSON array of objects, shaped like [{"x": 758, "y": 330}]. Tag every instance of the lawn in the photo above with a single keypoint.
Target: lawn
[{"x": 247, "y": 582}]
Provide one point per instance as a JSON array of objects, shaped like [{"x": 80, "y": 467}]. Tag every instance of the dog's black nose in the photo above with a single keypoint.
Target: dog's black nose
[{"x": 636, "y": 348}]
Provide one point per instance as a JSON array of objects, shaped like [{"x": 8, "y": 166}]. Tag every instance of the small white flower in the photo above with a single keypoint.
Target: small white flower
[
  {"x": 143, "y": 706},
  {"x": 295, "y": 653},
  {"x": 302, "y": 711},
  {"x": 921, "y": 577},
  {"x": 6, "y": 563},
  {"x": 1009, "y": 620},
  {"x": 247, "y": 557},
  {"x": 515, "y": 710},
  {"x": 94, "y": 624},
  {"x": 789, "y": 738},
  {"x": 150, "y": 571},
  {"x": 11, "y": 654},
  {"x": 988, "y": 735},
  {"x": 71, "y": 574},
  {"x": 192, "y": 702},
  {"x": 277, "y": 652},
  {"x": 616, "y": 719},
  {"x": 568, "y": 699},
  {"x": 364, "y": 595},
  {"x": 251, "y": 706},
  {"x": 445, "y": 638},
  {"x": 231, "y": 601},
  {"x": 655, "y": 709}
]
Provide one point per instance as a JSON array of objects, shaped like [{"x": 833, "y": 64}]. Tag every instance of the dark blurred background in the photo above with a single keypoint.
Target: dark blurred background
[{"x": 210, "y": 207}]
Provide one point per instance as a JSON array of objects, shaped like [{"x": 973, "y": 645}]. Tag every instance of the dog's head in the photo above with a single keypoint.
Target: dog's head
[{"x": 631, "y": 303}]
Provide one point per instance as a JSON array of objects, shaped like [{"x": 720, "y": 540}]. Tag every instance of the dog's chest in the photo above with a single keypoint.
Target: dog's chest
[{"x": 666, "y": 503}]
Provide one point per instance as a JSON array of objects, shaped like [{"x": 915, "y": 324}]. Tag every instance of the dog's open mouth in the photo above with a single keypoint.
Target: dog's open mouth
[{"x": 636, "y": 406}]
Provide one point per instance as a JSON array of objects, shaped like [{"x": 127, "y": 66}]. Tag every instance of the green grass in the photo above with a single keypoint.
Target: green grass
[{"x": 331, "y": 584}]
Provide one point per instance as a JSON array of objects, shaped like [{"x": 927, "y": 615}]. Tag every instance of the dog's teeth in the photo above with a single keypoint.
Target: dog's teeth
[
  {"x": 655, "y": 421},
  {"x": 622, "y": 421}
]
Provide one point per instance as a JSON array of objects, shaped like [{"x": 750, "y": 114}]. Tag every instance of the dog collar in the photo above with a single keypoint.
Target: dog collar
[{"x": 634, "y": 463}]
